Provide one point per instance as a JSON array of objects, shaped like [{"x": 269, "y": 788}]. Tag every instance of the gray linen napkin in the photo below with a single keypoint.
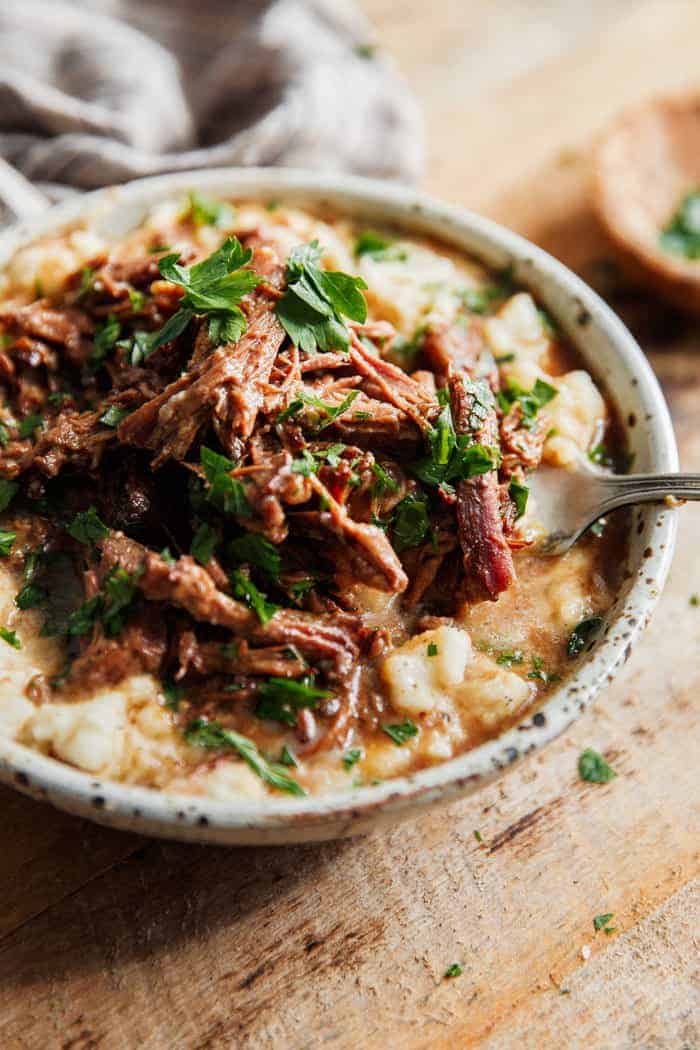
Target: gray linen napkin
[{"x": 101, "y": 91}]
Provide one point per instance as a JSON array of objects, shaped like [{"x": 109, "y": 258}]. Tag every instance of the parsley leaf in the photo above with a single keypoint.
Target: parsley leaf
[
  {"x": 7, "y": 538},
  {"x": 411, "y": 522},
  {"x": 208, "y": 211},
  {"x": 8, "y": 490},
  {"x": 87, "y": 527},
  {"x": 519, "y": 494},
  {"x": 312, "y": 309},
  {"x": 10, "y": 637},
  {"x": 385, "y": 482},
  {"x": 582, "y": 634},
  {"x": 281, "y": 698},
  {"x": 114, "y": 415},
  {"x": 287, "y": 758},
  {"x": 600, "y": 455},
  {"x": 246, "y": 591},
  {"x": 30, "y": 596},
  {"x": 453, "y": 971},
  {"x": 531, "y": 401},
  {"x": 29, "y": 424},
  {"x": 329, "y": 412},
  {"x": 213, "y": 287},
  {"x": 226, "y": 493},
  {"x": 593, "y": 767},
  {"x": 602, "y": 921},
  {"x": 456, "y": 457},
  {"x": 172, "y": 691},
  {"x": 352, "y": 757},
  {"x": 402, "y": 732},
  {"x": 682, "y": 234},
  {"x": 203, "y": 544},
  {"x": 369, "y": 242},
  {"x": 253, "y": 549},
  {"x": 202, "y": 733},
  {"x": 104, "y": 341},
  {"x": 111, "y": 605}
]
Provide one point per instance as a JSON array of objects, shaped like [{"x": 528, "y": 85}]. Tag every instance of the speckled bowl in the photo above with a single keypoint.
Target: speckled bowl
[{"x": 607, "y": 349}]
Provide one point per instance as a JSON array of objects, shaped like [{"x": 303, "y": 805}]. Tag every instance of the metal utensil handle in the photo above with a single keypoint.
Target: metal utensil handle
[
  {"x": 18, "y": 196},
  {"x": 649, "y": 488}
]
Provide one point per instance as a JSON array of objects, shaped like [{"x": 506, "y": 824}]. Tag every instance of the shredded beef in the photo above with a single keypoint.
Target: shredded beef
[
  {"x": 487, "y": 556},
  {"x": 246, "y": 568}
]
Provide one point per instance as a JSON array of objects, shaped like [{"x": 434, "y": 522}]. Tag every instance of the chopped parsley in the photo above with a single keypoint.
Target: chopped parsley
[
  {"x": 352, "y": 757},
  {"x": 593, "y": 767},
  {"x": 519, "y": 494},
  {"x": 253, "y": 549},
  {"x": 306, "y": 465},
  {"x": 385, "y": 482},
  {"x": 29, "y": 425},
  {"x": 110, "y": 607},
  {"x": 582, "y": 634},
  {"x": 682, "y": 234},
  {"x": 208, "y": 211},
  {"x": 104, "y": 341},
  {"x": 478, "y": 836},
  {"x": 203, "y": 544},
  {"x": 694, "y": 599},
  {"x": 329, "y": 413},
  {"x": 481, "y": 300},
  {"x": 456, "y": 457},
  {"x": 114, "y": 415},
  {"x": 226, "y": 493},
  {"x": 30, "y": 596},
  {"x": 214, "y": 288},
  {"x": 411, "y": 522},
  {"x": 602, "y": 922},
  {"x": 7, "y": 538},
  {"x": 87, "y": 527},
  {"x": 432, "y": 649},
  {"x": 402, "y": 732},
  {"x": 509, "y": 657},
  {"x": 173, "y": 692},
  {"x": 287, "y": 758},
  {"x": 202, "y": 733},
  {"x": 530, "y": 401},
  {"x": 10, "y": 637},
  {"x": 371, "y": 243},
  {"x": 8, "y": 491},
  {"x": 246, "y": 591},
  {"x": 600, "y": 455},
  {"x": 280, "y": 699},
  {"x": 453, "y": 971},
  {"x": 312, "y": 309}
]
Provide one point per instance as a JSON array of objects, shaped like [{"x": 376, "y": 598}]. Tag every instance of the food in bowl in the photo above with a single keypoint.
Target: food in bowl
[{"x": 266, "y": 522}]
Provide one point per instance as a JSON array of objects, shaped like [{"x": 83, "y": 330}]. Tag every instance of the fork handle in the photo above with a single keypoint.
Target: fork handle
[{"x": 648, "y": 488}]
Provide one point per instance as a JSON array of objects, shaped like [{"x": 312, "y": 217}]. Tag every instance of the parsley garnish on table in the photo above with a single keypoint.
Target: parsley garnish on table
[
  {"x": 212, "y": 288},
  {"x": 593, "y": 768},
  {"x": 312, "y": 309},
  {"x": 202, "y": 733},
  {"x": 602, "y": 922}
]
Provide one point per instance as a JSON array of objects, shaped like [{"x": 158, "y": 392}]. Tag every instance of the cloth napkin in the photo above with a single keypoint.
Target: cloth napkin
[{"x": 101, "y": 91}]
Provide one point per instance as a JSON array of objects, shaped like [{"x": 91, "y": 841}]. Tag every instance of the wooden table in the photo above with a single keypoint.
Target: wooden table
[{"x": 110, "y": 941}]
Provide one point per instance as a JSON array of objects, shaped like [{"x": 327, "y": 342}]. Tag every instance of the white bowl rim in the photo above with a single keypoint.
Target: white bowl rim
[{"x": 277, "y": 819}]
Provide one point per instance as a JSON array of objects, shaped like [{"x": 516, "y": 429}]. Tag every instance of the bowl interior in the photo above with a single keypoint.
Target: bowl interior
[{"x": 606, "y": 349}]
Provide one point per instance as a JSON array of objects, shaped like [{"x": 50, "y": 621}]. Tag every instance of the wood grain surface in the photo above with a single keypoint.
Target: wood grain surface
[{"x": 111, "y": 942}]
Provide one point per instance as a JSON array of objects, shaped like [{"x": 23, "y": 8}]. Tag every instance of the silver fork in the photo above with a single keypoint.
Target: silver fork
[{"x": 567, "y": 502}]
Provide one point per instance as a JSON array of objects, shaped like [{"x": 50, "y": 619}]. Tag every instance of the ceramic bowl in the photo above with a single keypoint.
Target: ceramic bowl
[{"x": 607, "y": 350}]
